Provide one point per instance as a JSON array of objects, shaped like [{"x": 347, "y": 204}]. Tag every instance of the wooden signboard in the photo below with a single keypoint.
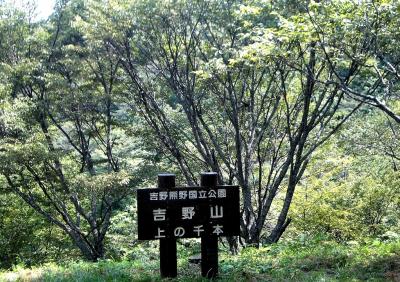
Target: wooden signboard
[
  {"x": 188, "y": 212},
  {"x": 168, "y": 213}
]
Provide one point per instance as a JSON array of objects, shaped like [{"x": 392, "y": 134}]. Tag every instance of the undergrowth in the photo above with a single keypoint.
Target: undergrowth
[{"x": 316, "y": 260}]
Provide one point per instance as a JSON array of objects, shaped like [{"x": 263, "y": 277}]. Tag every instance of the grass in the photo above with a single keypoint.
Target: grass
[{"x": 317, "y": 260}]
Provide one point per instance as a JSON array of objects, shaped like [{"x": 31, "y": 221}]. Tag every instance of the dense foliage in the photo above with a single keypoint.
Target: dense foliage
[{"x": 297, "y": 102}]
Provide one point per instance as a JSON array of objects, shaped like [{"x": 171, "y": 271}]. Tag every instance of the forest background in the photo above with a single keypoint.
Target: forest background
[{"x": 297, "y": 102}]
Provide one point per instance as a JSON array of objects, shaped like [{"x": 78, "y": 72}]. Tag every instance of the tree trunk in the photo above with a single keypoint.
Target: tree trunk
[{"x": 91, "y": 253}]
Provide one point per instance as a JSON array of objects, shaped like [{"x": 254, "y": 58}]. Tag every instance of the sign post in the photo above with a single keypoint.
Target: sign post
[
  {"x": 209, "y": 243},
  {"x": 168, "y": 213},
  {"x": 168, "y": 259}
]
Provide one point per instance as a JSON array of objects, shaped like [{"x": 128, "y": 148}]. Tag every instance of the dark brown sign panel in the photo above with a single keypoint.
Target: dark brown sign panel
[{"x": 188, "y": 212}]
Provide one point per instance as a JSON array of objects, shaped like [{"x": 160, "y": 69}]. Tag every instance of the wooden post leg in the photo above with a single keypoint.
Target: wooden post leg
[
  {"x": 209, "y": 244},
  {"x": 209, "y": 256},
  {"x": 168, "y": 259}
]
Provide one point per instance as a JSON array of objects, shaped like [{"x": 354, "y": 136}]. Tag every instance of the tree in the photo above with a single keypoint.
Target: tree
[
  {"x": 233, "y": 88},
  {"x": 350, "y": 190},
  {"x": 364, "y": 35},
  {"x": 26, "y": 237},
  {"x": 58, "y": 140},
  {"x": 249, "y": 89}
]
